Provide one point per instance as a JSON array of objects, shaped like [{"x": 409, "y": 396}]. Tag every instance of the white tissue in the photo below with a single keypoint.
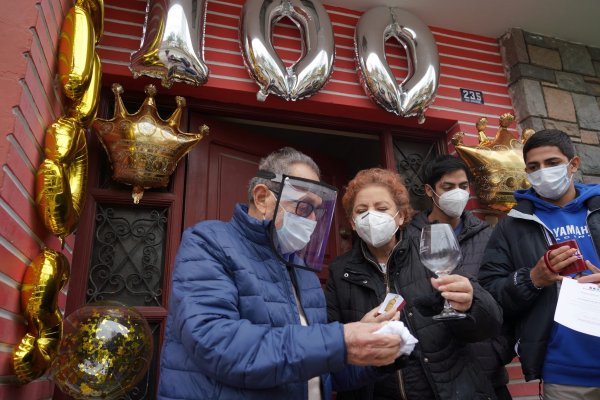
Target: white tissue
[{"x": 398, "y": 328}]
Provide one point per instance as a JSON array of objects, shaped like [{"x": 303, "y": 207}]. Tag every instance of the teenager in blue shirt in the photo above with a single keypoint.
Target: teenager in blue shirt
[{"x": 513, "y": 269}]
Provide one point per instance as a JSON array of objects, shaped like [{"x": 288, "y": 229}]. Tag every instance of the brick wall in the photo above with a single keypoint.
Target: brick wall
[
  {"x": 556, "y": 84},
  {"x": 29, "y": 31}
]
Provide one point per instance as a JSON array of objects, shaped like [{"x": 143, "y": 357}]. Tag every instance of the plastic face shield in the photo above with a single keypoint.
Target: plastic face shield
[{"x": 301, "y": 221}]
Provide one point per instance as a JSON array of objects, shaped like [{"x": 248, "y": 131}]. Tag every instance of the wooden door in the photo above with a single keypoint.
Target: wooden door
[{"x": 220, "y": 168}]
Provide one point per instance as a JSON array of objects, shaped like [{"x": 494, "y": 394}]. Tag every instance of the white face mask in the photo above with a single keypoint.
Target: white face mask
[
  {"x": 295, "y": 232},
  {"x": 552, "y": 182},
  {"x": 453, "y": 202},
  {"x": 375, "y": 227}
]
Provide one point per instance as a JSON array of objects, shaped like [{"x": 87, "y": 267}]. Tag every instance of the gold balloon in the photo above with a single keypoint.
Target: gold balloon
[
  {"x": 144, "y": 149},
  {"x": 497, "y": 165},
  {"x": 76, "y": 52},
  {"x": 107, "y": 348},
  {"x": 95, "y": 9},
  {"x": 85, "y": 109},
  {"x": 44, "y": 278},
  {"x": 61, "y": 186},
  {"x": 60, "y": 137}
]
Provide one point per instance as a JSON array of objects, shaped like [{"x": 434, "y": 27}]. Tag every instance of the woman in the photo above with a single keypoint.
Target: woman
[{"x": 385, "y": 259}]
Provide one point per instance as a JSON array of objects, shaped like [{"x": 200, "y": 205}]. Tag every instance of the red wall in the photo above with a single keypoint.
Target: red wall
[
  {"x": 28, "y": 103},
  {"x": 467, "y": 61}
]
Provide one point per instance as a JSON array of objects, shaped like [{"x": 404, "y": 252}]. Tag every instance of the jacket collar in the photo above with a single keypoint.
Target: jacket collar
[
  {"x": 471, "y": 224},
  {"x": 253, "y": 229}
]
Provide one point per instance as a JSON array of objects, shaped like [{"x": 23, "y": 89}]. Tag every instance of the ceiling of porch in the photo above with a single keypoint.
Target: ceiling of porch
[{"x": 571, "y": 20}]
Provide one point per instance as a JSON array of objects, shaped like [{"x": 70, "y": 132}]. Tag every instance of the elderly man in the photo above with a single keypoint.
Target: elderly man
[{"x": 247, "y": 316}]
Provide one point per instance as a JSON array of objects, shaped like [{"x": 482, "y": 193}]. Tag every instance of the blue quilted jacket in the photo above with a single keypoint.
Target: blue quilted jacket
[{"x": 233, "y": 329}]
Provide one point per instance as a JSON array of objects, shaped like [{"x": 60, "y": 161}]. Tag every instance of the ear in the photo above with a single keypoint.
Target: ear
[
  {"x": 261, "y": 195},
  {"x": 575, "y": 163},
  {"x": 428, "y": 191},
  {"x": 400, "y": 219},
  {"x": 352, "y": 224}
]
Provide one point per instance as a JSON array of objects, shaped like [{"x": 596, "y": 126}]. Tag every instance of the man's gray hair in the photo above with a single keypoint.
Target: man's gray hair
[{"x": 280, "y": 162}]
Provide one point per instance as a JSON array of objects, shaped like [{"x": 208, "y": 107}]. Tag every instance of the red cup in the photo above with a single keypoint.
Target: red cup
[{"x": 575, "y": 267}]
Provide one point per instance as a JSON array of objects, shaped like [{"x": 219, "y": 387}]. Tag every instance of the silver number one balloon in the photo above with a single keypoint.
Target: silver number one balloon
[{"x": 172, "y": 47}]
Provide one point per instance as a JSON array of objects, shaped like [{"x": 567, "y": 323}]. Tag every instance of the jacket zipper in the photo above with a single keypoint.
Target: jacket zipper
[{"x": 386, "y": 281}]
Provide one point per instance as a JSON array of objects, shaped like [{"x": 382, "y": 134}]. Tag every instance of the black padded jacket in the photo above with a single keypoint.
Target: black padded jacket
[{"x": 441, "y": 366}]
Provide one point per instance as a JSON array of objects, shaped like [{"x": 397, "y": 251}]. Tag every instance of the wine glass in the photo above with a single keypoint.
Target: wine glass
[{"x": 440, "y": 253}]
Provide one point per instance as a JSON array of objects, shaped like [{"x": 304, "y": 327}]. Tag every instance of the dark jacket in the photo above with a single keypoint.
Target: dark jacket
[
  {"x": 518, "y": 242},
  {"x": 491, "y": 354},
  {"x": 233, "y": 330},
  {"x": 441, "y": 366}
]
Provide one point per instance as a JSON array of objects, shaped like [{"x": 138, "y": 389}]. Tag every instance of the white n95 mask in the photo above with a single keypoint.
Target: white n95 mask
[
  {"x": 375, "y": 227},
  {"x": 453, "y": 202}
]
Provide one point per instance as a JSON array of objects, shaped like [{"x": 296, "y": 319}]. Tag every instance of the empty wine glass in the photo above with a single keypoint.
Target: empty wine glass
[{"x": 440, "y": 253}]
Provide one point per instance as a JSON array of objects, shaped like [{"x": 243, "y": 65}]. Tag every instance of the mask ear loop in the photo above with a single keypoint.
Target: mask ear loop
[{"x": 433, "y": 199}]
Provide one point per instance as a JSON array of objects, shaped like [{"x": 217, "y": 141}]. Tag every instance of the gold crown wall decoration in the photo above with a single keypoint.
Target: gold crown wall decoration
[
  {"x": 144, "y": 149},
  {"x": 496, "y": 164}
]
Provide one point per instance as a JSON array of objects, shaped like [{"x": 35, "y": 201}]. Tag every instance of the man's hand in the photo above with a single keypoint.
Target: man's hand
[
  {"x": 457, "y": 289},
  {"x": 364, "y": 347},
  {"x": 372, "y": 316},
  {"x": 542, "y": 276},
  {"x": 594, "y": 277}
]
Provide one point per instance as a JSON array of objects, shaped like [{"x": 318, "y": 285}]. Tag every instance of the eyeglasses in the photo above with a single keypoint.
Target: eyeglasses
[{"x": 304, "y": 208}]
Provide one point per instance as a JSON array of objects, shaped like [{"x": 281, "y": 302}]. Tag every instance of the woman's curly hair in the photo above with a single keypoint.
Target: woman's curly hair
[{"x": 390, "y": 180}]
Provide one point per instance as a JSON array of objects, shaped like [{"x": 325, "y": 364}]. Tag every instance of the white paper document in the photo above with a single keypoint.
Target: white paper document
[{"x": 578, "y": 307}]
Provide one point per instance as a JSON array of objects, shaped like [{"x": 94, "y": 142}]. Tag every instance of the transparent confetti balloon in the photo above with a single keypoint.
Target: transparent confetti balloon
[{"x": 106, "y": 349}]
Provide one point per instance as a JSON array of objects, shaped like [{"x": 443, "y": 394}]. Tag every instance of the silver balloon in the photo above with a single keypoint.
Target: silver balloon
[
  {"x": 308, "y": 75},
  {"x": 172, "y": 46},
  {"x": 417, "y": 91}
]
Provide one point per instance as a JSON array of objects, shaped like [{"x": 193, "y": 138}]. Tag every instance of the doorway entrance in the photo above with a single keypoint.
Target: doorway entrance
[
  {"x": 125, "y": 252},
  {"x": 220, "y": 167}
]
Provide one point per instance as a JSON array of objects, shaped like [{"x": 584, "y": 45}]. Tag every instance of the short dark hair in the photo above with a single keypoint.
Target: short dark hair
[
  {"x": 550, "y": 137},
  {"x": 442, "y": 165}
]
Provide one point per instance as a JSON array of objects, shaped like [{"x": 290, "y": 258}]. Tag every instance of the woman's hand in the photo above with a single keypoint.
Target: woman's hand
[
  {"x": 373, "y": 316},
  {"x": 457, "y": 289}
]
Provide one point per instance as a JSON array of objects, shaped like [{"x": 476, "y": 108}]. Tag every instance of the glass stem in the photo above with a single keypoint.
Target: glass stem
[{"x": 447, "y": 307}]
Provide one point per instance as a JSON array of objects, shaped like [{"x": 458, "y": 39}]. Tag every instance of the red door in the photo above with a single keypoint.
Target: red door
[{"x": 220, "y": 168}]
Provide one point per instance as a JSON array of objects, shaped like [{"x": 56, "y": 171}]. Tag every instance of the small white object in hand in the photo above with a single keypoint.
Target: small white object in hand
[{"x": 398, "y": 328}]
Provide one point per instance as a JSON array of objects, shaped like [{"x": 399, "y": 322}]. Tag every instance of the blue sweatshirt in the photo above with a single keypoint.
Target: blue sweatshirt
[{"x": 570, "y": 355}]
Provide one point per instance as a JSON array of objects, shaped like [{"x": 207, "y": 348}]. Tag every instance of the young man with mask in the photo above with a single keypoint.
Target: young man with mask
[
  {"x": 524, "y": 275},
  {"x": 447, "y": 181},
  {"x": 247, "y": 317}
]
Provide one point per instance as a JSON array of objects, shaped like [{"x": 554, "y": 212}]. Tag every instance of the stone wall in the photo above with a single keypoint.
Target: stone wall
[{"x": 555, "y": 84}]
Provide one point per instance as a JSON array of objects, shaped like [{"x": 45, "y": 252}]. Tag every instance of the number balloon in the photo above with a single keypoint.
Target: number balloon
[
  {"x": 61, "y": 179},
  {"x": 172, "y": 48},
  {"x": 417, "y": 91},
  {"x": 310, "y": 73},
  {"x": 46, "y": 276},
  {"x": 76, "y": 52},
  {"x": 95, "y": 9}
]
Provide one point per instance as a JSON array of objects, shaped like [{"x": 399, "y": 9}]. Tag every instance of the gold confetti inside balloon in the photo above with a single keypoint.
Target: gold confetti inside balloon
[
  {"x": 106, "y": 349},
  {"x": 497, "y": 165},
  {"x": 143, "y": 148}
]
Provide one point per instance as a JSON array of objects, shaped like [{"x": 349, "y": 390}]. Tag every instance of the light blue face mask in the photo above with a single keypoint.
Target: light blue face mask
[
  {"x": 552, "y": 182},
  {"x": 295, "y": 232}
]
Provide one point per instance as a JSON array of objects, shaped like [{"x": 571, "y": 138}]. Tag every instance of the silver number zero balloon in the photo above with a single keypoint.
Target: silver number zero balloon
[
  {"x": 310, "y": 73},
  {"x": 417, "y": 91},
  {"x": 173, "y": 43}
]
